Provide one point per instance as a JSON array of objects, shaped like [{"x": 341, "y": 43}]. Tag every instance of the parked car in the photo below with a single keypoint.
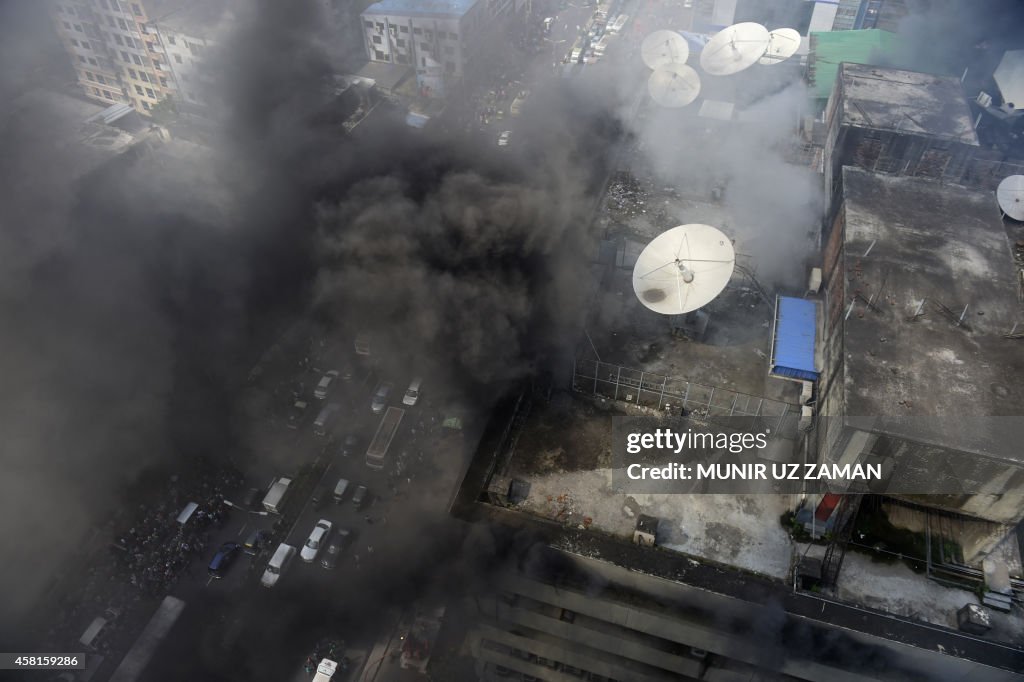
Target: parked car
[
  {"x": 324, "y": 387},
  {"x": 334, "y": 549},
  {"x": 412, "y": 394},
  {"x": 504, "y": 138},
  {"x": 256, "y": 541},
  {"x": 317, "y": 539},
  {"x": 380, "y": 398},
  {"x": 320, "y": 497},
  {"x": 339, "y": 490},
  {"x": 252, "y": 497},
  {"x": 278, "y": 564},
  {"x": 223, "y": 559}
]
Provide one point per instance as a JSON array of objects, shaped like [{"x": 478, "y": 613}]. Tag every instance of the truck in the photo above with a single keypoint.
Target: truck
[
  {"x": 274, "y": 500},
  {"x": 362, "y": 344},
  {"x": 377, "y": 453}
]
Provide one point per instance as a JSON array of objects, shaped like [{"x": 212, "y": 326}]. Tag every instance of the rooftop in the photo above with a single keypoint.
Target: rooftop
[
  {"x": 196, "y": 18},
  {"x": 908, "y": 101},
  {"x": 829, "y": 49},
  {"x": 945, "y": 245},
  {"x": 421, "y": 8}
]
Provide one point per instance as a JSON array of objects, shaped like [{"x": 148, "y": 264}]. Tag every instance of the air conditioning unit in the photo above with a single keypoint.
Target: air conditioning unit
[
  {"x": 984, "y": 99},
  {"x": 814, "y": 281}
]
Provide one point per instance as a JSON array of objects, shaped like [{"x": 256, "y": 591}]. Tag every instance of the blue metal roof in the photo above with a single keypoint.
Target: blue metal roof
[
  {"x": 793, "y": 345},
  {"x": 440, "y": 8}
]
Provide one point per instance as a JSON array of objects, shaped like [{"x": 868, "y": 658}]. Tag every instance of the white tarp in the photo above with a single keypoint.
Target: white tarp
[{"x": 1009, "y": 76}]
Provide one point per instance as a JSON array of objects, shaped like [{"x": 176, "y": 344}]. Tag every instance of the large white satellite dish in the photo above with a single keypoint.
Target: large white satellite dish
[
  {"x": 1010, "y": 195},
  {"x": 782, "y": 44},
  {"x": 734, "y": 48},
  {"x": 675, "y": 85},
  {"x": 663, "y": 48},
  {"x": 683, "y": 269}
]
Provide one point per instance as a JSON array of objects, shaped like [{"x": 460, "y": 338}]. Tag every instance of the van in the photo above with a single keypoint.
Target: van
[
  {"x": 339, "y": 490},
  {"x": 359, "y": 497},
  {"x": 278, "y": 564},
  {"x": 274, "y": 501},
  {"x": 325, "y": 420},
  {"x": 412, "y": 394}
]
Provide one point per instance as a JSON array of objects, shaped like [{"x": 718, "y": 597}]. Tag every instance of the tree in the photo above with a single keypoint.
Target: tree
[{"x": 165, "y": 111}]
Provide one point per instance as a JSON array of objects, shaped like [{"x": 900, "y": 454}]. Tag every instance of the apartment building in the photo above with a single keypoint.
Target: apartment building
[{"x": 139, "y": 53}]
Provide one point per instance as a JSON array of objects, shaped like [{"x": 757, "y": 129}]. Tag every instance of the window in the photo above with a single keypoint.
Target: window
[
  {"x": 118, "y": 39},
  {"x": 136, "y": 59},
  {"x": 90, "y": 76},
  {"x": 171, "y": 40},
  {"x": 114, "y": 6},
  {"x": 126, "y": 57},
  {"x": 430, "y": 35},
  {"x": 131, "y": 72},
  {"x": 156, "y": 65},
  {"x": 377, "y": 40},
  {"x": 177, "y": 58},
  {"x": 400, "y": 43},
  {"x": 136, "y": 9},
  {"x": 151, "y": 46},
  {"x": 379, "y": 56},
  {"x": 97, "y": 91},
  {"x": 82, "y": 59},
  {"x": 67, "y": 25},
  {"x": 110, "y": 21},
  {"x": 124, "y": 26},
  {"x": 404, "y": 29},
  {"x": 368, "y": 24},
  {"x": 163, "y": 82},
  {"x": 149, "y": 91},
  {"x": 85, "y": 45},
  {"x": 74, "y": 42},
  {"x": 416, "y": 31},
  {"x": 401, "y": 59},
  {"x": 93, "y": 61},
  {"x": 143, "y": 76},
  {"x": 145, "y": 105},
  {"x": 101, "y": 80},
  {"x": 380, "y": 26},
  {"x": 138, "y": 89},
  {"x": 129, "y": 42},
  {"x": 107, "y": 95}
]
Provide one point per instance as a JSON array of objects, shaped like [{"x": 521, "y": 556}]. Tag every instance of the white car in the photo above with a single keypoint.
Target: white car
[
  {"x": 324, "y": 387},
  {"x": 412, "y": 394},
  {"x": 503, "y": 138},
  {"x": 317, "y": 539}
]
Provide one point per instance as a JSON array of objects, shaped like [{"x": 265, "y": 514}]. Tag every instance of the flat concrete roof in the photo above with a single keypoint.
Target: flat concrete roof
[
  {"x": 196, "y": 18},
  {"x": 909, "y": 101},
  {"x": 947, "y": 246}
]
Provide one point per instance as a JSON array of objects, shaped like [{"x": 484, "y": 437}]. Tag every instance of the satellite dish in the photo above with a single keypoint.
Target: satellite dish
[
  {"x": 663, "y": 48},
  {"x": 675, "y": 85},
  {"x": 1010, "y": 195},
  {"x": 683, "y": 269},
  {"x": 782, "y": 44},
  {"x": 734, "y": 48}
]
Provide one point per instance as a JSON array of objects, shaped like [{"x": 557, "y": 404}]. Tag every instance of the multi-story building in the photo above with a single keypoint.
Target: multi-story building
[{"x": 139, "y": 53}]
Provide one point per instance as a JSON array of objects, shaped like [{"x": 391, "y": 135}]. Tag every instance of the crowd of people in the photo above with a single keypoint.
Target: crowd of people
[{"x": 158, "y": 547}]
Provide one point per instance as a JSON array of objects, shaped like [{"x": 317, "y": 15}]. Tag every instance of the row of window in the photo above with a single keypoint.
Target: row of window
[{"x": 416, "y": 30}]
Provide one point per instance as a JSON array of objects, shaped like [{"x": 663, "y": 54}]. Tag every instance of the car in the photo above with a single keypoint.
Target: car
[
  {"x": 320, "y": 497},
  {"x": 252, "y": 497},
  {"x": 359, "y": 496},
  {"x": 277, "y": 565},
  {"x": 334, "y": 549},
  {"x": 297, "y": 413},
  {"x": 257, "y": 540},
  {"x": 380, "y": 398},
  {"x": 412, "y": 394},
  {"x": 223, "y": 559},
  {"x": 324, "y": 387},
  {"x": 339, "y": 490},
  {"x": 503, "y": 138},
  {"x": 317, "y": 539},
  {"x": 349, "y": 444},
  {"x": 687, "y": 4}
]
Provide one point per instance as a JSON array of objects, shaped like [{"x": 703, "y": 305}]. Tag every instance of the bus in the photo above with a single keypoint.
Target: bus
[
  {"x": 620, "y": 23},
  {"x": 577, "y": 51},
  {"x": 377, "y": 453},
  {"x": 138, "y": 657}
]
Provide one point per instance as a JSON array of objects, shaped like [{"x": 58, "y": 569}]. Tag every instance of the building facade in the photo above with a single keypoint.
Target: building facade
[{"x": 139, "y": 53}]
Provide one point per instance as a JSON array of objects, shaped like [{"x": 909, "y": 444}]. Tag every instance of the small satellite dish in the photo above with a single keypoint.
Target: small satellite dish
[
  {"x": 675, "y": 85},
  {"x": 734, "y": 49},
  {"x": 1010, "y": 195},
  {"x": 683, "y": 269},
  {"x": 782, "y": 44},
  {"x": 663, "y": 48}
]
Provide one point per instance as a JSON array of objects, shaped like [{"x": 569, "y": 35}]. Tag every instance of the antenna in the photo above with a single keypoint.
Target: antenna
[
  {"x": 664, "y": 48},
  {"x": 675, "y": 85},
  {"x": 782, "y": 44},
  {"x": 683, "y": 269},
  {"x": 734, "y": 49},
  {"x": 1010, "y": 195}
]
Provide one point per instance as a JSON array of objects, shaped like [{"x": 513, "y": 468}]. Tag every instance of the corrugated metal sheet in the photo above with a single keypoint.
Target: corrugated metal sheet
[
  {"x": 793, "y": 345},
  {"x": 831, "y": 48}
]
